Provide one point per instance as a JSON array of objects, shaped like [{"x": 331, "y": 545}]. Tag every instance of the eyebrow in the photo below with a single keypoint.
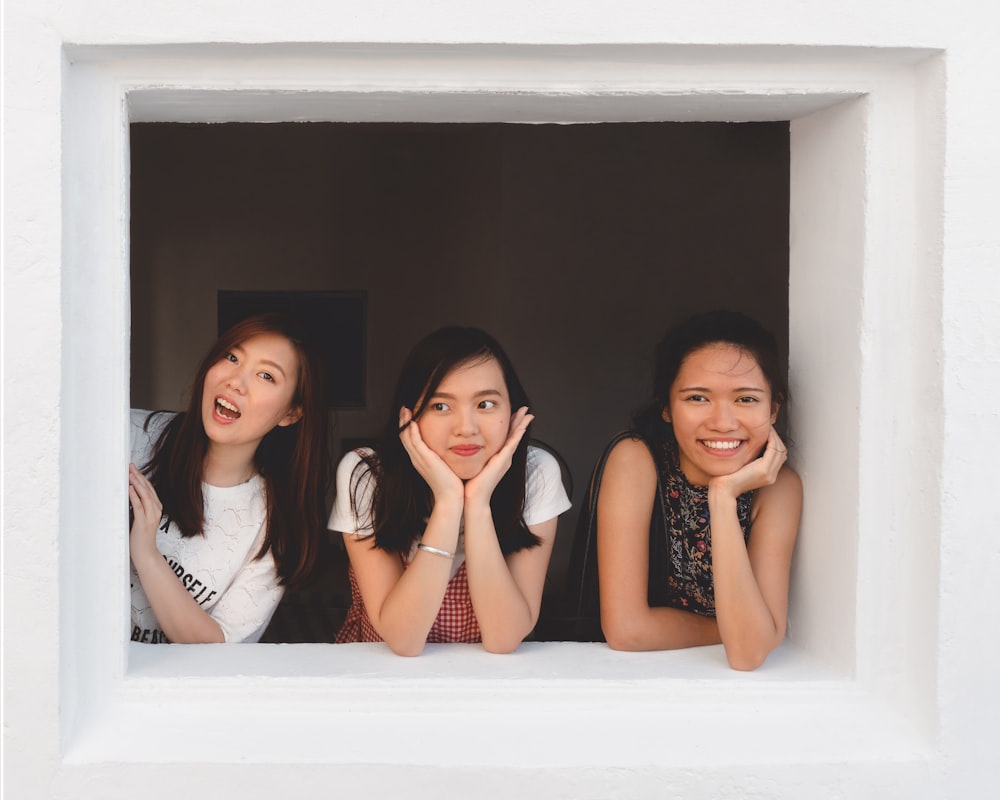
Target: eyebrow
[
  {"x": 483, "y": 393},
  {"x": 706, "y": 390}
]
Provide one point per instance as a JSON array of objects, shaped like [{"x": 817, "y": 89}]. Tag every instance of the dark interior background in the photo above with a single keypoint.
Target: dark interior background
[{"x": 576, "y": 246}]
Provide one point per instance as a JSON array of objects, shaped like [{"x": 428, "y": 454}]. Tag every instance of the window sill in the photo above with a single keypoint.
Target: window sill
[{"x": 359, "y": 703}]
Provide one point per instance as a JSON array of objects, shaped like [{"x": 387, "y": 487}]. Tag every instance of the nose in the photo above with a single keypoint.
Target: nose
[
  {"x": 466, "y": 422},
  {"x": 237, "y": 381},
  {"x": 723, "y": 417}
]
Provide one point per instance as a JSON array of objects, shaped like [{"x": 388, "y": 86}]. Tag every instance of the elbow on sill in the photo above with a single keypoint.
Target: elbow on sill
[
  {"x": 500, "y": 646},
  {"x": 209, "y": 637},
  {"x": 744, "y": 663},
  {"x": 620, "y": 637},
  {"x": 747, "y": 659},
  {"x": 500, "y": 650},
  {"x": 408, "y": 649}
]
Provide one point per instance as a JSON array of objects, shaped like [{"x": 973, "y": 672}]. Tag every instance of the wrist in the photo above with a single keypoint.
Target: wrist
[
  {"x": 144, "y": 555},
  {"x": 448, "y": 506},
  {"x": 721, "y": 493},
  {"x": 476, "y": 515}
]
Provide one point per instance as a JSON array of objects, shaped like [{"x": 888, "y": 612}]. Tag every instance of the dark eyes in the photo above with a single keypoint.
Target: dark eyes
[
  {"x": 745, "y": 400},
  {"x": 232, "y": 359},
  {"x": 482, "y": 404}
]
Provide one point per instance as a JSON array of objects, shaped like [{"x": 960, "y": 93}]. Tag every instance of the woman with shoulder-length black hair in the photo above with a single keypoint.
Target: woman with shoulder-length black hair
[
  {"x": 449, "y": 523},
  {"x": 697, "y": 513},
  {"x": 228, "y": 500}
]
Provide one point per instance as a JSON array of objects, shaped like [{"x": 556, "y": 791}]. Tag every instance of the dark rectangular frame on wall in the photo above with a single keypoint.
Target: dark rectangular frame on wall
[{"x": 337, "y": 320}]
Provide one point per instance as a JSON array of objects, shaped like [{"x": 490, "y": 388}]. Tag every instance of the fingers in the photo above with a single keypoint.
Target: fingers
[
  {"x": 521, "y": 420},
  {"x": 142, "y": 496},
  {"x": 776, "y": 447},
  {"x": 409, "y": 435},
  {"x": 405, "y": 417},
  {"x": 773, "y": 440},
  {"x": 518, "y": 427}
]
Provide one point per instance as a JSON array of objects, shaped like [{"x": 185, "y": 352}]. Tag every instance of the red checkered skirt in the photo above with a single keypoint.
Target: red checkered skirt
[{"x": 456, "y": 621}]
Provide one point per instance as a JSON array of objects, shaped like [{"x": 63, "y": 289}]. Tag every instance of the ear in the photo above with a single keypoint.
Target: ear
[
  {"x": 666, "y": 414},
  {"x": 775, "y": 408},
  {"x": 294, "y": 415}
]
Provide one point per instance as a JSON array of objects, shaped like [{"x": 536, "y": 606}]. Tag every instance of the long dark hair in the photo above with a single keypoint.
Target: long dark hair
[
  {"x": 401, "y": 498},
  {"x": 713, "y": 327},
  {"x": 293, "y": 460}
]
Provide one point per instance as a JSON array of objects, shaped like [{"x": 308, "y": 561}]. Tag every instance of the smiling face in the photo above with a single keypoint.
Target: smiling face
[
  {"x": 250, "y": 391},
  {"x": 721, "y": 410},
  {"x": 465, "y": 421}
]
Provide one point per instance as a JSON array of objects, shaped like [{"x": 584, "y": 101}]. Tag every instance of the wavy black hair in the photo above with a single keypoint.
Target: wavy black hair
[{"x": 714, "y": 327}]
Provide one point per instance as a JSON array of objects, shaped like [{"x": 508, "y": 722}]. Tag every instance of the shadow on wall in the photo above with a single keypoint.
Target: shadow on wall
[{"x": 575, "y": 245}]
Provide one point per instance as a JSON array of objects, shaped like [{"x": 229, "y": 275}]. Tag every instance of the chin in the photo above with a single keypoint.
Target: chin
[{"x": 467, "y": 474}]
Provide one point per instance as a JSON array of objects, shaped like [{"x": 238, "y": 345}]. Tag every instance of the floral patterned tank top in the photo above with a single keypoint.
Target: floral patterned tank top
[{"x": 681, "y": 559}]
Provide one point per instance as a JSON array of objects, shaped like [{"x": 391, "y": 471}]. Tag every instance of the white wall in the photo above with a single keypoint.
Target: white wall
[{"x": 906, "y": 320}]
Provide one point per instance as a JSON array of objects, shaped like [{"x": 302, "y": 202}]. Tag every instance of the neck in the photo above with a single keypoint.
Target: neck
[{"x": 228, "y": 466}]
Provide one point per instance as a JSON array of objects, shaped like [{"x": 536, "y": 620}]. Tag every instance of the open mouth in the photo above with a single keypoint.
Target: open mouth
[
  {"x": 225, "y": 409},
  {"x": 724, "y": 446}
]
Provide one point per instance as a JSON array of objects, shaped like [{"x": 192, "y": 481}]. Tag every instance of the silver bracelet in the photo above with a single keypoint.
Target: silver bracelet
[{"x": 435, "y": 550}]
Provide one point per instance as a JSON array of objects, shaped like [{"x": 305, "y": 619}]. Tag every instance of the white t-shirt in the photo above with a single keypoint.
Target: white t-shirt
[
  {"x": 544, "y": 496},
  {"x": 218, "y": 567}
]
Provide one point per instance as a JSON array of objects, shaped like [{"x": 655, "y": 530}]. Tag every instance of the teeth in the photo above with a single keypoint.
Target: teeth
[
  {"x": 722, "y": 445},
  {"x": 226, "y": 404}
]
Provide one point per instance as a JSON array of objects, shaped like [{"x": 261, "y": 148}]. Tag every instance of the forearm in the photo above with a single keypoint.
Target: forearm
[
  {"x": 411, "y": 607},
  {"x": 177, "y": 612},
  {"x": 504, "y": 615},
  {"x": 748, "y": 627},
  {"x": 657, "y": 629}
]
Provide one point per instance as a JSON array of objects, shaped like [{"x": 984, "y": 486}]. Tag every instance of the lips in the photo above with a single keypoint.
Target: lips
[
  {"x": 466, "y": 450},
  {"x": 226, "y": 410},
  {"x": 721, "y": 447}
]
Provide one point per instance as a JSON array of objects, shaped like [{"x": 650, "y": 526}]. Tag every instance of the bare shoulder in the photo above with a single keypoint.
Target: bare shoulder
[
  {"x": 631, "y": 457},
  {"x": 787, "y": 485},
  {"x": 782, "y": 499},
  {"x": 629, "y": 481}
]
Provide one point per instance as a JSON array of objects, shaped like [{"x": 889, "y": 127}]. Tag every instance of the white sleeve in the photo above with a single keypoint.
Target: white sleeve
[
  {"x": 246, "y": 607},
  {"x": 544, "y": 493},
  {"x": 143, "y": 436},
  {"x": 359, "y": 485}
]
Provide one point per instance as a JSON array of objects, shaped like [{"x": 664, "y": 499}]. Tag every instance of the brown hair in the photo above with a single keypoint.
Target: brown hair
[{"x": 293, "y": 460}]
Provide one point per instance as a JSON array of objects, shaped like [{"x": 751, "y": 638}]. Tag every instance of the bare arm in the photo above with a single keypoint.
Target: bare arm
[
  {"x": 751, "y": 582},
  {"x": 506, "y": 592},
  {"x": 624, "y": 512},
  {"x": 402, "y": 604},
  {"x": 176, "y": 611}
]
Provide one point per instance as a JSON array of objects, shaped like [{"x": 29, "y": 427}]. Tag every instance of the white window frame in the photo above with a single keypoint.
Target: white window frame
[{"x": 856, "y": 678}]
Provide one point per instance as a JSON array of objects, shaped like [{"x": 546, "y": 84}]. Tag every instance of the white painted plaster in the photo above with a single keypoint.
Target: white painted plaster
[{"x": 887, "y": 683}]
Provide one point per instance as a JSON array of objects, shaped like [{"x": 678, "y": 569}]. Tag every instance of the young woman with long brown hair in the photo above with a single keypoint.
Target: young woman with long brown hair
[{"x": 228, "y": 496}]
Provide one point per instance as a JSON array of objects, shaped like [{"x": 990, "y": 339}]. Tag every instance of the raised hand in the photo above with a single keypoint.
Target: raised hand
[
  {"x": 480, "y": 488},
  {"x": 147, "y": 511},
  {"x": 758, "y": 473},
  {"x": 440, "y": 477}
]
